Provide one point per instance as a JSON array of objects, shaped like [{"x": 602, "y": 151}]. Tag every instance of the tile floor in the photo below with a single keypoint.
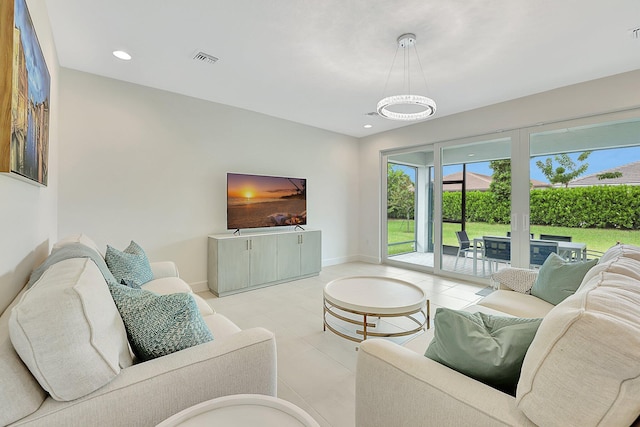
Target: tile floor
[
  {"x": 451, "y": 263},
  {"x": 316, "y": 369}
]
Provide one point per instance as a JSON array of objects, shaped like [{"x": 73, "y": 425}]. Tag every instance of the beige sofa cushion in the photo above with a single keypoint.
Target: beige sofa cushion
[
  {"x": 516, "y": 304},
  {"x": 582, "y": 367},
  {"x": 220, "y": 326},
  {"x": 67, "y": 330}
]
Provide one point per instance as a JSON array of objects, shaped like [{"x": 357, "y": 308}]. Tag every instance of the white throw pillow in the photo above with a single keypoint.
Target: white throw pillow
[
  {"x": 582, "y": 367},
  {"x": 67, "y": 330},
  {"x": 617, "y": 251}
]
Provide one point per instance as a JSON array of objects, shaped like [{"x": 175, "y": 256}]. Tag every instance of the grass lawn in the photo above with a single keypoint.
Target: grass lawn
[
  {"x": 595, "y": 238},
  {"x": 401, "y": 230}
]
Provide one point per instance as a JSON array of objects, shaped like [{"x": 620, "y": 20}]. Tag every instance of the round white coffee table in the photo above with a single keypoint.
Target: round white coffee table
[
  {"x": 242, "y": 410},
  {"x": 367, "y": 296}
]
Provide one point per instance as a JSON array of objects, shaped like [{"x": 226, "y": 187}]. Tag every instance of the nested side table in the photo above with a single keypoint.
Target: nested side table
[
  {"x": 242, "y": 410},
  {"x": 356, "y": 299}
]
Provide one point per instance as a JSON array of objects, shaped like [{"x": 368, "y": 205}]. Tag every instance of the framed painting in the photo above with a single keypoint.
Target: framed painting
[{"x": 25, "y": 87}]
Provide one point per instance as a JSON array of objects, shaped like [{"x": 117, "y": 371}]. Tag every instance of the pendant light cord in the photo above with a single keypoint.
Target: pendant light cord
[
  {"x": 421, "y": 70},
  {"x": 390, "y": 70}
]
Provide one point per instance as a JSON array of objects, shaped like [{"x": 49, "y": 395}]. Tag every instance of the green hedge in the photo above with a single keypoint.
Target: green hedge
[{"x": 585, "y": 207}]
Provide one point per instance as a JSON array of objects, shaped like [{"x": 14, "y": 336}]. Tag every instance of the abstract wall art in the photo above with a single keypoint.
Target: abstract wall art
[{"x": 25, "y": 86}]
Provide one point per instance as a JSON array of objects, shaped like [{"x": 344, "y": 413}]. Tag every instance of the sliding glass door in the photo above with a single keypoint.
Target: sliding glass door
[
  {"x": 408, "y": 212},
  {"x": 470, "y": 207},
  {"x": 475, "y": 204},
  {"x": 589, "y": 194}
]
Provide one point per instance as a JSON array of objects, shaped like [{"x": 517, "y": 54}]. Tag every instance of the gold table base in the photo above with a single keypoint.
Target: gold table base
[{"x": 329, "y": 309}]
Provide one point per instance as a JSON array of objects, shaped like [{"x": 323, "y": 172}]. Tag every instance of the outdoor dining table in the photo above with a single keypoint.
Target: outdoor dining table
[{"x": 570, "y": 250}]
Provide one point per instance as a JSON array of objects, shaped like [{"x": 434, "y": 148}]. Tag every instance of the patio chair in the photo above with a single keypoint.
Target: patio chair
[
  {"x": 496, "y": 250},
  {"x": 555, "y": 238},
  {"x": 539, "y": 251},
  {"x": 568, "y": 255},
  {"x": 509, "y": 234},
  {"x": 464, "y": 247}
]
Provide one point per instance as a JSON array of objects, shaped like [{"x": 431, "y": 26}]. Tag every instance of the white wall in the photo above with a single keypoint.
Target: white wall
[
  {"x": 148, "y": 165},
  {"x": 580, "y": 100},
  {"x": 28, "y": 215},
  {"x": 128, "y": 162}
]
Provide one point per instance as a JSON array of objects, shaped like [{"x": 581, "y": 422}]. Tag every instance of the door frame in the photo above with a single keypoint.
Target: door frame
[{"x": 520, "y": 158}]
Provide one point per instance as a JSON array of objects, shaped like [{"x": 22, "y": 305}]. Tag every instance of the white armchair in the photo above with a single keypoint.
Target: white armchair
[{"x": 399, "y": 387}]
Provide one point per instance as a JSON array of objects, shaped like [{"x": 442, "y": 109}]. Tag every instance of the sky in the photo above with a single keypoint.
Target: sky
[
  {"x": 259, "y": 186},
  {"x": 598, "y": 161}
]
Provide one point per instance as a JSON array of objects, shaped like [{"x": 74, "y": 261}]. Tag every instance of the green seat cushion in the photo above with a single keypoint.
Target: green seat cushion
[
  {"x": 131, "y": 266},
  {"x": 158, "y": 325},
  {"x": 487, "y": 348},
  {"x": 559, "y": 279}
]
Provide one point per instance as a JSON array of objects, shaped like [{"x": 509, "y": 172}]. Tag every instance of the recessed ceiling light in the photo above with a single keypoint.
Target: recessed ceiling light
[
  {"x": 121, "y": 54},
  {"x": 368, "y": 126},
  {"x": 471, "y": 155}
]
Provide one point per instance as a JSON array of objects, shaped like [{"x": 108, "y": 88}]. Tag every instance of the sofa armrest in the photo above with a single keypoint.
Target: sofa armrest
[
  {"x": 164, "y": 269},
  {"x": 150, "y": 392},
  {"x": 396, "y": 386},
  {"x": 516, "y": 279}
]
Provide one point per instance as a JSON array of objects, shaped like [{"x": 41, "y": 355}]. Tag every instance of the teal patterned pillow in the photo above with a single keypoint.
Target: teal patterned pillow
[
  {"x": 130, "y": 266},
  {"x": 158, "y": 325}
]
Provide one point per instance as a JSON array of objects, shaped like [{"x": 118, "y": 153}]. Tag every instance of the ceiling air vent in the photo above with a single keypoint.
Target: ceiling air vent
[{"x": 205, "y": 57}]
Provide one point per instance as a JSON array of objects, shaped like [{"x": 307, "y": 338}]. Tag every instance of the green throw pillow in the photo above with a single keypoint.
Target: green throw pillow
[
  {"x": 158, "y": 325},
  {"x": 487, "y": 348},
  {"x": 559, "y": 279},
  {"x": 130, "y": 266}
]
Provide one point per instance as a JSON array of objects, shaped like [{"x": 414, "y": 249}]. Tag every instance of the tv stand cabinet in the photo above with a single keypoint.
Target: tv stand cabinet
[{"x": 238, "y": 263}]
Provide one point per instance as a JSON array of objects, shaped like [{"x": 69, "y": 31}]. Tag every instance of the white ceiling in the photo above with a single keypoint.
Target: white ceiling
[{"x": 325, "y": 63}]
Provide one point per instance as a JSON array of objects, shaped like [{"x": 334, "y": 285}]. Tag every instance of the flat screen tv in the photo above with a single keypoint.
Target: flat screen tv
[{"x": 255, "y": 201}]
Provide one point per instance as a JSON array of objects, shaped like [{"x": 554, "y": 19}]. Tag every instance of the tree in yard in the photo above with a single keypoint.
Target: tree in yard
[
  {"x": 400, "y": 194},
  {"x": 609, "y": 175},
  {"x": 566, "y": 171},
  {"x": 501, "y": 179}
]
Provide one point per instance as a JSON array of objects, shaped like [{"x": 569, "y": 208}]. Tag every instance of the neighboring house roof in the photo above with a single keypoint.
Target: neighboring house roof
[
  {"x": 630, "y": 176},
  {"x": 478, "y": 182}
]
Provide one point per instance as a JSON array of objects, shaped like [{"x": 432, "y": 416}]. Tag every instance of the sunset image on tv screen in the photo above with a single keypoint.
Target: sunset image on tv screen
[{"x": 255, "y": 201}]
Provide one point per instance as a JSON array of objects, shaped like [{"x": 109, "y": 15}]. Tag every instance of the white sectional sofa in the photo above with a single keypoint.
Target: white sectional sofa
[
  {"x": 82, "y": 372},
  {"x": 582, "y": 368}
]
